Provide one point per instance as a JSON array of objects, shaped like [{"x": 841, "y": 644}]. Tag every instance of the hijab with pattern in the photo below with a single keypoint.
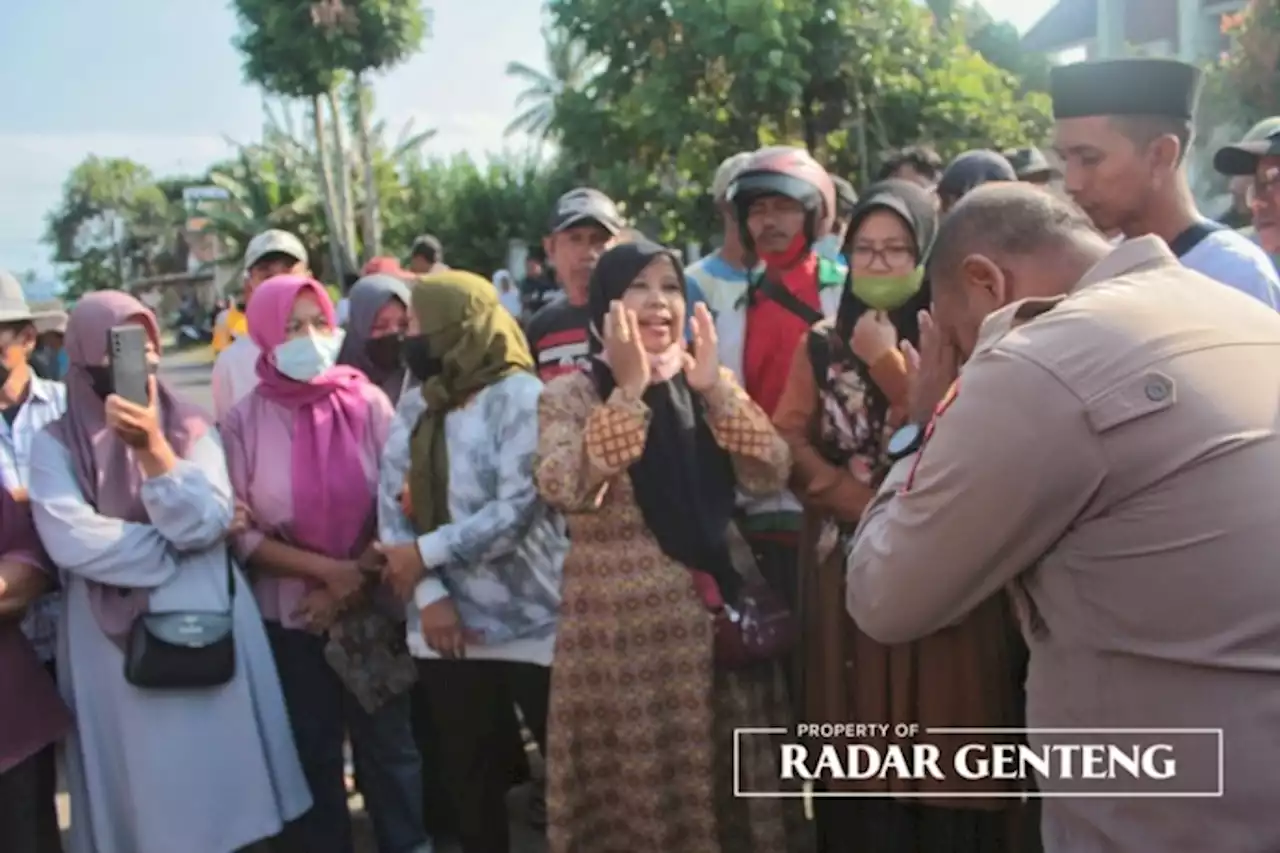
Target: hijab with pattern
[
  {"x": 366, "y": 299},
  {"x": 105, "y": 467},
  {"x": 683, "y": 482},
  {"x": 478, "y": 343}
]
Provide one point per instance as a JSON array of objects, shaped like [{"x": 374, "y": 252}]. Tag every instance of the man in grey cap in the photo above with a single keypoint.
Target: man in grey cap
[
  {"x": 28, "y": 404},
  {"x": 721, "y": 277},
  {"x": 235, "y": 373},
  {"x": 1254, "y": 167},
  {"x": 584, "y": 224},
  {"x": 1031, "y": 166}
]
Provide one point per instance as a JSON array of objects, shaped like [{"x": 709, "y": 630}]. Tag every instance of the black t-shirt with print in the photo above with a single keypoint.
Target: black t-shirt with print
[{"x": 558, "y": 338}]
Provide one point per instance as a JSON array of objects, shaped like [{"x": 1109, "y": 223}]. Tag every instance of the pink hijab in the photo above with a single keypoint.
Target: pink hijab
[
  {"x": 104, "y": 466},
  {"x": 331, "y": 498}
]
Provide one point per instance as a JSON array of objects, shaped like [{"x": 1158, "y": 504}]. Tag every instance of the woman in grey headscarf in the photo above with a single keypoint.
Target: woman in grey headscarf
[{"x": 375, "y": 329}]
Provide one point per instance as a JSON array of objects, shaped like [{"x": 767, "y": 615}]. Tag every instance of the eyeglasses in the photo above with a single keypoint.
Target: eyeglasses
[
  {"x": 890, "y": 256},
  {"x": 1264, "y": 186}
]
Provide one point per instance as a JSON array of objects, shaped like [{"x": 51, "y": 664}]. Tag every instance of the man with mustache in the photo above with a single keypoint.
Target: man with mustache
[
  {"x": 1122, "y": 130},
  {"x": 784, "y": 202},
  {"x": 1256, "y": 163}
]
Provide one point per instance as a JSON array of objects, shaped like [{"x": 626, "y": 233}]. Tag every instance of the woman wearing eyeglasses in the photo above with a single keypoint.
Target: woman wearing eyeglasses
[{"x": 845, "y": 395}]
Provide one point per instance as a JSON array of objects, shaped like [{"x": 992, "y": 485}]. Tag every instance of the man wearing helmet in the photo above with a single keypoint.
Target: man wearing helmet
[{"x": 784, "y": 202}]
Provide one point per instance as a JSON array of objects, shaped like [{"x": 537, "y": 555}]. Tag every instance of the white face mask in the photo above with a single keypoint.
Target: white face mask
[
  {"x": 303, "y": 359},
  {"x": 828, "y": 247}
]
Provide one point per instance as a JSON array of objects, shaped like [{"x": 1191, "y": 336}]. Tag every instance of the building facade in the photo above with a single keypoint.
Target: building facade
[{"x": 1190, "y": 30}]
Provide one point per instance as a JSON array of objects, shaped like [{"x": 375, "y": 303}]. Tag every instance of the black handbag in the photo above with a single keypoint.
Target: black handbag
[{"x": 183, "y": 650}]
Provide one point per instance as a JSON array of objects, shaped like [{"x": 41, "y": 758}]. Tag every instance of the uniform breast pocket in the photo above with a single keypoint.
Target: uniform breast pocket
[{"x": 1136, "y": 398}]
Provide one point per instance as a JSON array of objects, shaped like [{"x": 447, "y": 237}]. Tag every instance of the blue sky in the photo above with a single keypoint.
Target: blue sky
[{"x": 158, "y": 81}]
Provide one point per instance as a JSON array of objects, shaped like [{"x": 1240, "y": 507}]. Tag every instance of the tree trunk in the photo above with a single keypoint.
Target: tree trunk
[
  {"x": 337, "y": 249},
  {"x": 345, "y": 198},
  {"x": 372, "y": 212}
]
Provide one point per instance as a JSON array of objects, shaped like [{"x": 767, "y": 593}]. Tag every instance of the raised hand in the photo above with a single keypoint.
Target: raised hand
[
  {"x": 702, "y": 365},
  {"x": 625, "y": 349},
  {"x": 932, "y": 370},
  {"x": 873, "y": 336}
]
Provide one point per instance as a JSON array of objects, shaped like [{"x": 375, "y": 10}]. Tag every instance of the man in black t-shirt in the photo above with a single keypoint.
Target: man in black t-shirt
[
  {"x": 538, "y": 288},
  {"x": 584, "y": 224}
]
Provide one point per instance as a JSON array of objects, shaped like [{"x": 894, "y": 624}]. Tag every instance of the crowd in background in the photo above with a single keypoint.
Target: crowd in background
[{"x": 446, "y": 511}]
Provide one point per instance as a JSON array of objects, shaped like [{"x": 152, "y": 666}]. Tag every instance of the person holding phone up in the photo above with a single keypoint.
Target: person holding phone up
[
  {"x": 303, "y": 450},
  {"x": 132, "y": 503}
]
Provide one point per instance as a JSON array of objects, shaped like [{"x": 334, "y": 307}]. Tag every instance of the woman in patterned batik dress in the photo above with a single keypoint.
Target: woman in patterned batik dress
[{"x": 644, "y": 453}]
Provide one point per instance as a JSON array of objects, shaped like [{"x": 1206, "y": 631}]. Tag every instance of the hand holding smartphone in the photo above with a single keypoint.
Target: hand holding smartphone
[{"x": 127, "y": 357}]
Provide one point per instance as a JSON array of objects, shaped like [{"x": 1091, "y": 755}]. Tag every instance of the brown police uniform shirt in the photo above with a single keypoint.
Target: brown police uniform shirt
[{"x": 1111, "y": 458}]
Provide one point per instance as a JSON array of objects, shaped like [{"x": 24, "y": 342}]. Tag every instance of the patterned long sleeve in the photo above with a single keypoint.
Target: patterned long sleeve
[
  {"x": 583, "y": 442},
  {"x": 761, "y": 458}
]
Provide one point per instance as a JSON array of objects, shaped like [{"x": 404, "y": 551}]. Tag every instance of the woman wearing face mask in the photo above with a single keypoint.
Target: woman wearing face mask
[
  {"x": 846, "y": 392},
  {"x": 303, "y": 451},
  {"x": 468, "y": 544},
  {"x": 133, "y": 506},
  {"x": 375, "y": 331},
  {"x": 645, "y": 453}
]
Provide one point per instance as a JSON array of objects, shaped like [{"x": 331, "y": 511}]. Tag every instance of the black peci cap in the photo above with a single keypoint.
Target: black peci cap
[{"x": 1125, "y": 87}]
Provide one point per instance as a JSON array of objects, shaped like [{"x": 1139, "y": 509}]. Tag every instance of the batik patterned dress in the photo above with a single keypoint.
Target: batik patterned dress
[{"x": 640, "y": 731}]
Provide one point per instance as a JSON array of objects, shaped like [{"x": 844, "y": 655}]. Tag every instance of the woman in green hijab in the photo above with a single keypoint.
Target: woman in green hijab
[{"x": 469, "y": 545}]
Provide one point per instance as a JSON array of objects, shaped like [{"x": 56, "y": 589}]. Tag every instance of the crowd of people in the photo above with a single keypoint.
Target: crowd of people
[{"x": 626, "y": 507}]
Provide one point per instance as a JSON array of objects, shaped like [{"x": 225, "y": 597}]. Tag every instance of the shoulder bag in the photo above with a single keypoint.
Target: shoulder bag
[{"x": 184, "y": 649}]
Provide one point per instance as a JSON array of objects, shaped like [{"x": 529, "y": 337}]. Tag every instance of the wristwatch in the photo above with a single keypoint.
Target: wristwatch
[{"x": 904, "y": 442}]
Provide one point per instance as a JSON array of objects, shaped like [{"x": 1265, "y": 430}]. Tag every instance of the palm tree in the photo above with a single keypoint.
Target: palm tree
[{"x": 571, "y": 68}]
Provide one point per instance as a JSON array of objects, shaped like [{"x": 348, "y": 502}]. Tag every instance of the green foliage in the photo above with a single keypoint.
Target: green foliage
[
  {"x": 686, "y": 83},
  {"x": 474, "y": 209},
  {"x": 999, "y": 43},
  {"x": 270, "y": 186},
  {"x": 113, "y": 224},
  {"x": 299, "y": 48},
  {"x": 1253, "y": 63}
]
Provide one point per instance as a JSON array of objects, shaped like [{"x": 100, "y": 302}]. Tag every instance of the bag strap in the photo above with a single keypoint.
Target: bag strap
[
  {"x": 231, "y": 579},
  {"x": 1192, "y": 237},
  {"x": 819, "y": 356},
  {"x": 772, "y": 289}
]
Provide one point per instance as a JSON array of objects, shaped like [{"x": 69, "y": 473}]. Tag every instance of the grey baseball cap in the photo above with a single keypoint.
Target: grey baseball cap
[
  {"x": 583, "y": 205},
  {"x": 1263, "y": 140}
]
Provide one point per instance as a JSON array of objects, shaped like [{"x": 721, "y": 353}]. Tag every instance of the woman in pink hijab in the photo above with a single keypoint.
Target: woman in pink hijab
[
  {"x": 303, "y": 451},
  {"x": 133, "y": 505}
]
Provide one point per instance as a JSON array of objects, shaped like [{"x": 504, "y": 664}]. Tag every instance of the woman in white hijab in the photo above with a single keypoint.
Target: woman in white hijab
[{"x": 508, "y": 293}]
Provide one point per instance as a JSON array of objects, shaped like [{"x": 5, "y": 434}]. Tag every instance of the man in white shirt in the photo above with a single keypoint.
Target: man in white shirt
[
  {"x": 235, "y": 373},
  {"x": 1122, "y": 128}
]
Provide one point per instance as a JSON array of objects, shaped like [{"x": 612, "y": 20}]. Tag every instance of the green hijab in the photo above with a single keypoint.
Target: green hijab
[{"x": 478, "y": 343}]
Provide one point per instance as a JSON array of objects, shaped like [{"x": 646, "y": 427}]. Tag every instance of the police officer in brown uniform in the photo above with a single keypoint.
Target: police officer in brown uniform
[{"x": 1112, "y": 458}]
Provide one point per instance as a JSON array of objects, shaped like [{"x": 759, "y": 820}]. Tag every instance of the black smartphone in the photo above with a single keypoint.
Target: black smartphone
[{"x": 127, "y": 354}]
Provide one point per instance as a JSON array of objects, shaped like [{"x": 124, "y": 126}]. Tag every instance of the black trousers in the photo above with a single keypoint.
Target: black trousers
[
  {"x": 28, "y": 808},
  {"x": 469, "y": 703}
]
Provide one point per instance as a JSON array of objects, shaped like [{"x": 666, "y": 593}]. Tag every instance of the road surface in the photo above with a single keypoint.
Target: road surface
[{"x": 188, "y": 373}]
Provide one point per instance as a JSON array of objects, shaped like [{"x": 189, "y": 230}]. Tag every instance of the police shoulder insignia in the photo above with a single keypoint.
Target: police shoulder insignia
[
  {"x": 944, "y": 404},
  {"x": 947, "y": 399}
]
